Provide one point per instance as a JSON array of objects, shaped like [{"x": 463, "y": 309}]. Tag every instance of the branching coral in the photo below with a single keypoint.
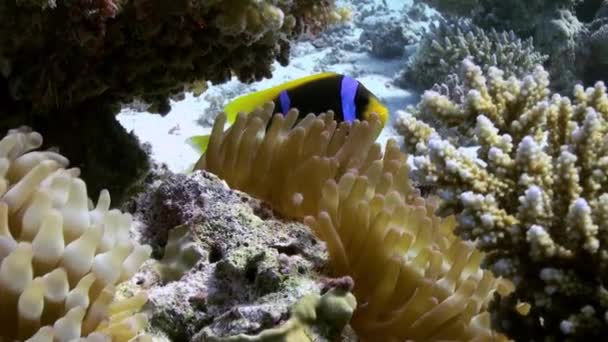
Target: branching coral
[
  {"x": 413, "y": 278},
  {"x": 61, "y": 258},
  {"x": 536, "y": 198},
  {"x": 522, "y": 16},
  {"x": 449, "y": 42},
  {"x": 456, "y": 106},
  {"x": 559, "y": 28},
  {"x": 591, "y": 55}
]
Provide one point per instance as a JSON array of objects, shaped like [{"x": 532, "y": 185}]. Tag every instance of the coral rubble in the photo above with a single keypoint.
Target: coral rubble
[
  {"x": 413, "y": 278},
  {"x": 534, "y": 198},
  {"x": 61, "y": 258}
]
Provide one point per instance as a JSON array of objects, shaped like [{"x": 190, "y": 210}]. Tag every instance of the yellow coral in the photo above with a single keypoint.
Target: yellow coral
[
  {"x": 59, "y": 258},
  {"x": 413, "y": 277}
]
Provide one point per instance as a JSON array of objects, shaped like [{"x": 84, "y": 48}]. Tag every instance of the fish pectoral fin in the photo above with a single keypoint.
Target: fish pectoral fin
[{"x": 199, "y": 142}]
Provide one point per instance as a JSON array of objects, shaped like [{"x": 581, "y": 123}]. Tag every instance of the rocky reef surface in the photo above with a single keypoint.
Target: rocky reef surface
[{"x": 248, "y": 266}]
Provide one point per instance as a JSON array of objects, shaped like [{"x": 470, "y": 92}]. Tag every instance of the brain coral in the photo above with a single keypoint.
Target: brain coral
[
  {"x": 535, "y": 197},
  {"x": 60, "y": 257},
  {"x": 413, "y": 278}
]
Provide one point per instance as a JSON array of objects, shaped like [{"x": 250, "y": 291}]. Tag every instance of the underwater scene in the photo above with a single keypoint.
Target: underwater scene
[{"x": 303, "y": 170}]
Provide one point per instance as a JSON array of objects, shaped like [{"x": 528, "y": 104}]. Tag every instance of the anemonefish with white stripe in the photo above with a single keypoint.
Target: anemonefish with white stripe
[{"x": 345, "y": 96}]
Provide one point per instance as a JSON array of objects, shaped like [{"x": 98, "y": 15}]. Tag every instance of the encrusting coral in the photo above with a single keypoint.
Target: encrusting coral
[
  {"x": 413, "y": 278},
  {"x": 60, "y": 257},
  {"x": 448, "y": 42},
  {"x": 534, "y": 198}
]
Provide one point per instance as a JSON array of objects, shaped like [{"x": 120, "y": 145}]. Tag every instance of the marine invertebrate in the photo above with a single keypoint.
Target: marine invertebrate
[
  {"x": 330, "y": 311},
  {"x": 455, "y": 106},
  {"x": 180, "y": 255},
  {"x": 536, "y": 203},
  {"x": 413, "y": 277},
  {"x": 591, "y": 55},
  {"x": 559, "y": 28},
  {"x": 320, "y": 147},
  {"x": 60, "y": 258},
  {"x": 518, "y": 15},
  {"x": 74, "y": 63},
  {"x": 191, "y": 41},
  {"x": 451, "y": 40}
]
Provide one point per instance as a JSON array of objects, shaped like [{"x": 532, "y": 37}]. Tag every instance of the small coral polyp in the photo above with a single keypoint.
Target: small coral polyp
[{"x": 60, "y": 257}]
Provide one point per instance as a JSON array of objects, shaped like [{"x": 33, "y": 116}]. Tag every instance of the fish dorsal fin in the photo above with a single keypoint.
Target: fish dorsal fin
[{"x": 248, "y": 103}]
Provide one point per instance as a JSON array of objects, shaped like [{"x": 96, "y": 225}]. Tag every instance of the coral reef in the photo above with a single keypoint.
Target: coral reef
[
  {"x": 518, "y": 15},
  {"x": 385, "y": 37},
  {"x": 77, "y": 62},
  {"x": 253, "y": 266},
  {"x": 591, "y": 56},
  {"x": 534, "y": 198},
  {"x": 142, "y": 49},
  {"x": 181, "y": 254},
  {"x": 61, "y": 258},
  {"x": 561, "y": 36},
  {"x": 450, "y": 110},
  {"x": 413, "y": 278},
  {"x": 561, "y": 29},
  {"x": 451, "y": 40},
  {"x": 328, "y": 313},
  {"x": 388, "y": 34}
]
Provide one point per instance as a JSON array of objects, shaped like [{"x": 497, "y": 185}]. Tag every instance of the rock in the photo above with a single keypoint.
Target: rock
[{"x": 254, "y": 266}]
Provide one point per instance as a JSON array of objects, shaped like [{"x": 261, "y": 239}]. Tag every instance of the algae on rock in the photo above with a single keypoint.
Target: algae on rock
[
  {"x": 313, "y": 318},
  {"x": 253, "y": 266}
]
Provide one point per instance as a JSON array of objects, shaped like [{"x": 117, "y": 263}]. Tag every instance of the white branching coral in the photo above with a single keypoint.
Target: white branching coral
[
  {"x": 535, "y": 192},
  {"x": 509, "y": 104},
  {"x": 414, "y": 279},
  {"x": 60, "y": 256}
]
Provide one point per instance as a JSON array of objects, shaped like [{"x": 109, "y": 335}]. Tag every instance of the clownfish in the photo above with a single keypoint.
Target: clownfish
[{"x": 345, "y": 96}]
